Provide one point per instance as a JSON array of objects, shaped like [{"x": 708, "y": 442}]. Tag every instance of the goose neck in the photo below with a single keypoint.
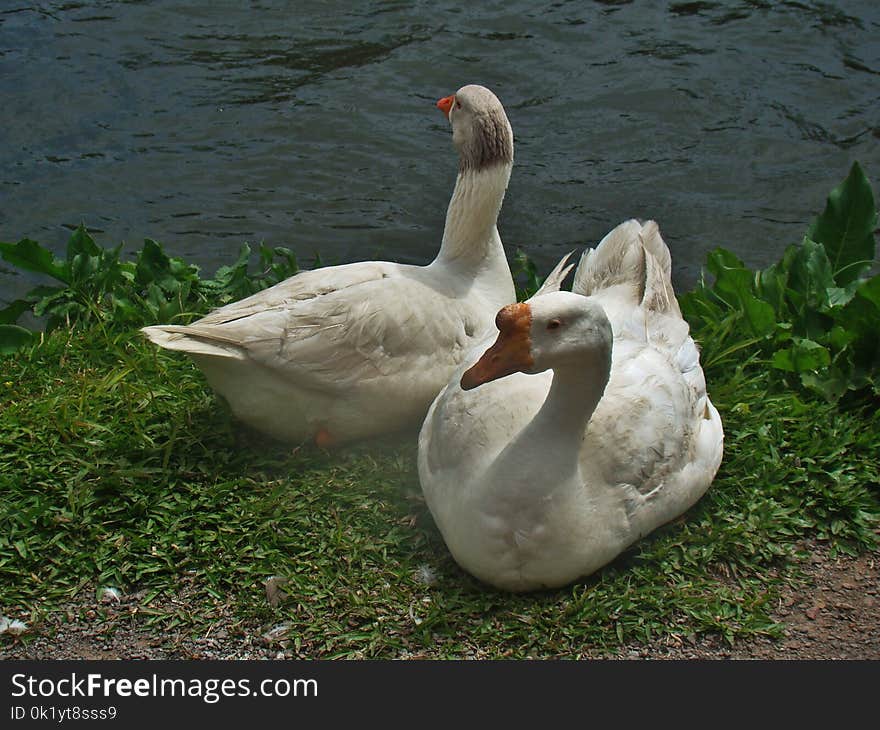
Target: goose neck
[
  {"x": 546, "y": 453},
  {"x": 574, "y": 393},
  {"x": 472, "y": 215}
]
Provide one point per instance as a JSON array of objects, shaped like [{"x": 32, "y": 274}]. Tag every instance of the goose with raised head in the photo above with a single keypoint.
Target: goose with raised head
[
  {"x": 357, "y": 350},
  {"x": 585, "y": 425}
]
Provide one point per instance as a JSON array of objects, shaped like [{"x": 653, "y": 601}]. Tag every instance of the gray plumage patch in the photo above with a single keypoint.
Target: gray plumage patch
[{"x": 491, "y": 144}]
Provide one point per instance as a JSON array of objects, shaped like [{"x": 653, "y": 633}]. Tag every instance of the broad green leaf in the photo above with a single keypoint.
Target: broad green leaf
[
  {"x": 181, "y": 270},
  {"x": 275, "y": 271},
  {"x": 803, "y": 356},
  {"x": 862, "y": 313},
  {"x": 83, "y": 267},
  {"x": 45, "y": 290},
  {"x": 10, "y": 314},
  {"x": 830, "y": 384},
  {"x": 81, "y": 243},
  {"x": 840, "y": 337},
  {"x": 840, "y": 296},
  {"x": 759, "y": 314},
  {"x": 701, "y": 305},
  {"x": 51, "y": 303},
  {"x": 13, "y": 338},
  {"x": 772, "y": 282},
  {"x": 234, "y": 278},
  {"x": 123, "y": 309},
  {"x": 155, "y": 266},
  {"x": 31, "y": 256},
  {"x": 860, "y": 318},
  {"x": 736, "y": 285},
  {"x": 870, "y": 290},
  {"x": 846, "y": 227},
  {"x": 810, "y": 275},
  {"x": 152, "y": 263},
  {"x": 783, "y": 360},
  {"x": 731, "y": 276}
]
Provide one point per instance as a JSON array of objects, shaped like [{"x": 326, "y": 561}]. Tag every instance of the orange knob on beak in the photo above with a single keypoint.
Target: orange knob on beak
[
  {"x": 512, "y": 351},
  {"x": 445, "y": 104}
]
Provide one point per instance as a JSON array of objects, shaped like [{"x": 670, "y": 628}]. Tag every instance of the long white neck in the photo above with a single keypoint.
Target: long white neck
[
  {"x": 546, "y": 452},
  {"x": 557, "y": 430},
  {"x": 470, "y": 237}
]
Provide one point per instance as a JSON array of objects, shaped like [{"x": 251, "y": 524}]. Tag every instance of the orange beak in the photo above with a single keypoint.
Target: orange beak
[
  {"x": 512, "y": 351},
  {"x": 445, "y": 104}
]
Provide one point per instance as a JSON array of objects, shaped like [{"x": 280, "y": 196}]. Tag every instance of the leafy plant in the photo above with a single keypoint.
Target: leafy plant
[
  {"x": 96, "y": 285},
  {"x": 525, "y": 276},
  {"x": 813, "y": 315}
]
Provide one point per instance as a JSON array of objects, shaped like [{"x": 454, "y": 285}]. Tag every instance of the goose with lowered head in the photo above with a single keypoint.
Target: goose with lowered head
[
  {"x": 357, "y": 350},
  {"x": 585, "y": 426}
]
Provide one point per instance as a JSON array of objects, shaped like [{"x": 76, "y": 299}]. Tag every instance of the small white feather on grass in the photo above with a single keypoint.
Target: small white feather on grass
[{"x": 13, "y": 627}]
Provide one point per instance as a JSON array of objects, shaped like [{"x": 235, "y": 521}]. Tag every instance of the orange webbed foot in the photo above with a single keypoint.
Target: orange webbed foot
[{"x": 324, "y": 439}]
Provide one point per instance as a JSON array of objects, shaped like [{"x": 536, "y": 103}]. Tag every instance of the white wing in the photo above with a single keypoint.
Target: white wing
[{"x": 333, "y": 327}]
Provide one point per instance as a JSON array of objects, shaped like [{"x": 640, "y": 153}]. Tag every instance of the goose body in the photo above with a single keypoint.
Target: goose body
[
  {"x": 361, "y": 349},
  {"x": 583, "y": 428}
]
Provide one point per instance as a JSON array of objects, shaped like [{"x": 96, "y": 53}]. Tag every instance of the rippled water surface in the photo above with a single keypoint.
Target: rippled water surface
[{"x": 312, "y": 125}]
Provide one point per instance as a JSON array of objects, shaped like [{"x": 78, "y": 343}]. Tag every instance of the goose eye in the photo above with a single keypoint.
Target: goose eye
[{"x": 553, "y": 324}]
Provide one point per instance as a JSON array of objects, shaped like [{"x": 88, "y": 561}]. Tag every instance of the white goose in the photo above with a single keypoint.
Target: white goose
[
  {"x": 601, "y": 431},
  {"x": 361, "y": 349}
]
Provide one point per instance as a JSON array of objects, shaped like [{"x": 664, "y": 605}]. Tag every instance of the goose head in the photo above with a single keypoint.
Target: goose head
[
  {"x": 559, "y": 330},
  {"x": 481, "y": 131}
]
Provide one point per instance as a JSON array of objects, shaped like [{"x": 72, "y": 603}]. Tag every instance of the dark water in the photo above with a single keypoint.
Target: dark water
[{"x": 312, "y": 125}]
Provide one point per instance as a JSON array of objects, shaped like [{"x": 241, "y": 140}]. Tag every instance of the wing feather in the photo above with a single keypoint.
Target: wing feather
[{"x": 338, "y": 328}]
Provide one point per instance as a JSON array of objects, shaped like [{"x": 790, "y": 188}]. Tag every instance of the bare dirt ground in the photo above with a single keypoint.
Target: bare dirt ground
[{"x": 836, "y": 615}]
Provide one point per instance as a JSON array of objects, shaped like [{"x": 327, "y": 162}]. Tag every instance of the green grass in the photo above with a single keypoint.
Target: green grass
[{"x": 120, "y": 468}]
